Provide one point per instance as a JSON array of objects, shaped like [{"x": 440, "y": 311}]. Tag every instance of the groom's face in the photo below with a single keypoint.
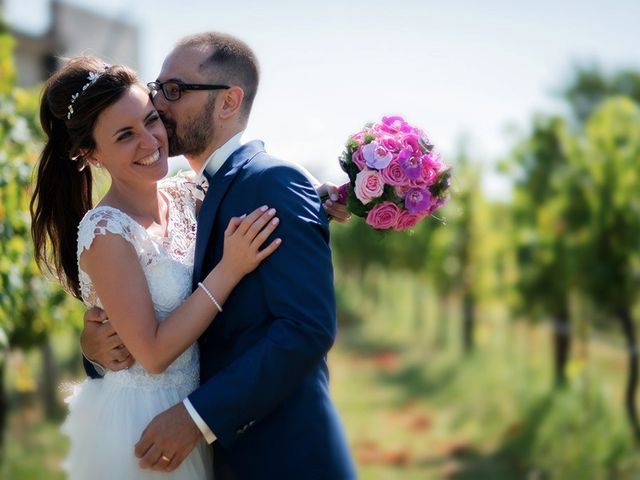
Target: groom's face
[{"x": 190, "y": 119}]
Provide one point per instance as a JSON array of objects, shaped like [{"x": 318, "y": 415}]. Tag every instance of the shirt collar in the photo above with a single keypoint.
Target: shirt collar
[{"x": 218, "y": 157}]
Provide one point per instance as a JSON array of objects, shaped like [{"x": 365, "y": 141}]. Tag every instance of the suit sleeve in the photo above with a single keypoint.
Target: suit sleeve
[
  {"x": 298, "y": 285},
  {"x": 91, "y": 369}
]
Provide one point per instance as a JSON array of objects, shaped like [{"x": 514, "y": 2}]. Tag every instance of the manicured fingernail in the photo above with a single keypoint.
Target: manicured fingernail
[
  {"x": 263, "y": 208},
  {"x": 243, "y": 216},
  {"x": 328, "y": 203},
  {"x": 278, "y": 240},
  {"x": 333, "y": 197},
  {"x": 275, "y": 220},
  {"x": 272, "y": 211}
]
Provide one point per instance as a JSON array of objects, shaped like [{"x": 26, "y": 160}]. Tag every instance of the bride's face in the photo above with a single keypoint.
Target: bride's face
[{"x": 131, "y": 142}]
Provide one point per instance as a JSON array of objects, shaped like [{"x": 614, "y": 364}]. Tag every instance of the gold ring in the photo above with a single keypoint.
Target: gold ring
[{"x": 165, "y": 458}]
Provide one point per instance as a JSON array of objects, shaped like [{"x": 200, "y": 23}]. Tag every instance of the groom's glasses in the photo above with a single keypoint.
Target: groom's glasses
[{"x": 172, "y": 91}]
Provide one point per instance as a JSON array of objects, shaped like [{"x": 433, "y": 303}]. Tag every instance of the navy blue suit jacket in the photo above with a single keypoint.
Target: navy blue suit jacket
[{"x": 264, "y": 378}]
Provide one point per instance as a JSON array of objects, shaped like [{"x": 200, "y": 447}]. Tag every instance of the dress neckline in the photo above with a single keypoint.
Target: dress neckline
[{"x": 169, "y": 229}]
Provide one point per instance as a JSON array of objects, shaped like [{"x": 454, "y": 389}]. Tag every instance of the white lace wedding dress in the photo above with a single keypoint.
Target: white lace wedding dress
[{"x": 107, "y": 416}]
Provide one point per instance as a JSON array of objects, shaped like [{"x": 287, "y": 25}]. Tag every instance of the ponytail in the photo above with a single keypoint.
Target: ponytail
[
  {"x": 61, "y": 197},
  {"x": 72, "y": 100}
]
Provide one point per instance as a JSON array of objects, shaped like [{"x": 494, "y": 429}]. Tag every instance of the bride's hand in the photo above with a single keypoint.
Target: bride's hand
[{"x": 243, "y": 238}]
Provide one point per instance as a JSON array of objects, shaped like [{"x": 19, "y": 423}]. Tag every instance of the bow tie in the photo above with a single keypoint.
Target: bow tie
[{"x": 203, "y": 184}]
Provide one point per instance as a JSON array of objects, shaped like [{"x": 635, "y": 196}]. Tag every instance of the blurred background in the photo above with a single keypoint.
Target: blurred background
[{"x": 498, "y": 341}]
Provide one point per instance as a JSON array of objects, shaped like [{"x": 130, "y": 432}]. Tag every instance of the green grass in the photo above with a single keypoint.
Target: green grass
[{"x": 415, "y": 407}]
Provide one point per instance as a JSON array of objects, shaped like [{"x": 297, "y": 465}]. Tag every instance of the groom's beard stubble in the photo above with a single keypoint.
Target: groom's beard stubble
[{"x": 196, "y": 135}]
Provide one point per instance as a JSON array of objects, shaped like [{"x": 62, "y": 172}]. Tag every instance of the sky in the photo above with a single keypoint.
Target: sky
[{"x": 457, "y": 69}]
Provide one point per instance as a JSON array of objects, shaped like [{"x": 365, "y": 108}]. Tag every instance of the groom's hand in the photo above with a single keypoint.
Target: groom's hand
[
  {"x": 101, "y": 344},
  {"x": 335, "y": 210},
  {"x": 167, "y": 440}
]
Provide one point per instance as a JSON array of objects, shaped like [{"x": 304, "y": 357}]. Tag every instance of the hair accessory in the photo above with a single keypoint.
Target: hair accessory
[{"x": 92, "y": 77}]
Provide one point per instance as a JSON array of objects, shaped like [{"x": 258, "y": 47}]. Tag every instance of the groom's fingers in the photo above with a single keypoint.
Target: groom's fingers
[
  {"x": 144, "y": 444},
  {"x": 151, "y": 458}
]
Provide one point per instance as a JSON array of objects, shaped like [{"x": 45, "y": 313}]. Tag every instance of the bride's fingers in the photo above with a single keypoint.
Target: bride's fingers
[
  {"x": 262, "y": 236},
  {"x": 251, "y": 218},
  {"x": 265, "y": 252},
  {"x": 257, "y": 226},
  {"x": 234, "y": 223}
]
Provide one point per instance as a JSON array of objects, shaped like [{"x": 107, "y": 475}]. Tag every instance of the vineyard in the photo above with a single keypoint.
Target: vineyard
[{"x": 496, "y": 342}]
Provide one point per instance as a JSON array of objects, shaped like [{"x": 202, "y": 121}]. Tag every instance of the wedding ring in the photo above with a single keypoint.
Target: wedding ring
[{"x": 165, "y": 458}]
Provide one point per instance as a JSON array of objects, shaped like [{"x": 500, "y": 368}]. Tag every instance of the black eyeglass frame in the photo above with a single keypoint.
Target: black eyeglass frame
[{"x": 182, "y": 87}]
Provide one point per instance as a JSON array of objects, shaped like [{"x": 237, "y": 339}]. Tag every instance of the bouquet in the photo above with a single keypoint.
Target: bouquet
[{"x": 395, "y": 177}]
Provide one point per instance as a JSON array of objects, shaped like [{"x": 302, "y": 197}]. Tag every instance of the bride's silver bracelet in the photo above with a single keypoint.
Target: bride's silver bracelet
[{"x": 210, "y": 295}]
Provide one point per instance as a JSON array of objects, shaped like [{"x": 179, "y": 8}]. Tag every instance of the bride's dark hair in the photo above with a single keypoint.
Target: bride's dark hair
[{"x": 63, "y": 182}]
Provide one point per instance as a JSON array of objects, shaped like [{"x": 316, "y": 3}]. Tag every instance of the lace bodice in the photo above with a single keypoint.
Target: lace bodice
[{"x": 167, "y": 263}]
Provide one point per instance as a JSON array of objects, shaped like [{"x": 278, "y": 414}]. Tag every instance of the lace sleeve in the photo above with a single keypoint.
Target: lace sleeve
[
  {"x": 184, "y": 190},
  {"x": 99, "y": 221},
  {"x": 102, "y": 220}
]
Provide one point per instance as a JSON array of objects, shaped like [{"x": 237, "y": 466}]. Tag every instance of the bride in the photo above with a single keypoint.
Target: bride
[{"x": 131, "y": 255}]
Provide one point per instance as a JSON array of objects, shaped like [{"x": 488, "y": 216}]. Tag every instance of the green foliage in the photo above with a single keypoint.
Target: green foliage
[
  {"x": 30, "y": 305},
  {"x": 541, "y": 213},
  {"x": 591, "y": 86},
  {"x": 608, "y": 161}
]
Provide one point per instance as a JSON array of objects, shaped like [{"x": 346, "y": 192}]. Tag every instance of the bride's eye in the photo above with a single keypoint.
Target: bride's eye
[
  {"x": 152, "y": 119},
  {"x": 123, "y": 136}
]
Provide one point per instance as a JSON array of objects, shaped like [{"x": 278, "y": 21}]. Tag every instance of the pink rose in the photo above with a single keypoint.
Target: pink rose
[
  {"x": 369, "y": 185},
  {"x": 383, "y": 216},
  {"x": 406, "y": 220},
  {"x": 358, "y": 137},
  {"x": 358, "y": 159},
  {"x": 394, "y": 175}
]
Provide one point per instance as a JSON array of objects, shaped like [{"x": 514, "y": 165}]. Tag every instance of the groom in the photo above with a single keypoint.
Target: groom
[{"x": 263, "y": 401}]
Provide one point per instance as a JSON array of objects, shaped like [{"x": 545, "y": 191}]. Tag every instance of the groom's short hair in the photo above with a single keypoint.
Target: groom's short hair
[{"x": 231, "y": 60}]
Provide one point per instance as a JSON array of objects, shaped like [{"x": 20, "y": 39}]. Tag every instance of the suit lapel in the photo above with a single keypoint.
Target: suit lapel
[{"x": 218, "y": 186}]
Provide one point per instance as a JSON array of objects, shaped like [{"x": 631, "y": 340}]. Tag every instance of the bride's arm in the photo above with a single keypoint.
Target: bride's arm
[{"x": 113, "y": 266}]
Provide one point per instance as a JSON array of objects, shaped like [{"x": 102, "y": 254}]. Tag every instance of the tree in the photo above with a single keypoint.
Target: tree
[
  {"x": 590, "y": 86},
  {"x": 542, "y": 211},
  {"x": 609, "y": 164}
]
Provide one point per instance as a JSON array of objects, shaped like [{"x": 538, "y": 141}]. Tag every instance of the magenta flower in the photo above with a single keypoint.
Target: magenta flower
[
  {"x": 390, "y": 143},
  {"x": 412, "y": 141},
  {"x": 376, "y": 155},
  {"x": 395, "y": 124},
  {"x": 358, "y": 159},
  {"x": 418, "y": 200},
  {"x": 343, "y": 193},
  {"x": 411, "y": 164}
]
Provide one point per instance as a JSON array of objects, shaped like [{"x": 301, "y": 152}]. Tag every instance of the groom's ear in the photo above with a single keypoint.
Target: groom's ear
[{"x": 231, "y": 102}]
